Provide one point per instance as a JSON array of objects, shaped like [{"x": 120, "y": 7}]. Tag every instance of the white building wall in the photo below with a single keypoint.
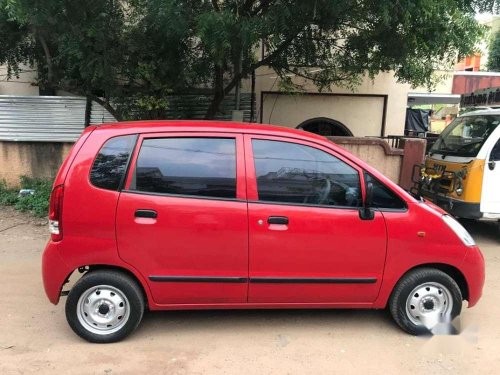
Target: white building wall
[
  {"x": 361, "y": 110},
  {"x": 23, "y": 85}
]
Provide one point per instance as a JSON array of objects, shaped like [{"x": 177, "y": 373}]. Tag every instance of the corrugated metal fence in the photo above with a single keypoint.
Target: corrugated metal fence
[
  {"x": 193, "y": 106},
  {"x": 62, "y": 118},
  {"x": 46, "y": 118}
]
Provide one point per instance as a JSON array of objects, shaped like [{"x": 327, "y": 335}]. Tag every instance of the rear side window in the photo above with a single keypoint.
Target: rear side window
[
  {"x": 383, "y": 197},
  {"x": 293, "y": 173},
  {"x": 187, "y": 166},
  {"x": 110, "y": 165}
]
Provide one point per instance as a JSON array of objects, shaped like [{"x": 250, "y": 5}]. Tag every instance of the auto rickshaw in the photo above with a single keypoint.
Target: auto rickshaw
[{"x": 462, "y": 169}]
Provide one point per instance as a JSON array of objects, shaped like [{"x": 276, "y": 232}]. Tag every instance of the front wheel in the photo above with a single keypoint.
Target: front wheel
[
  {"x": 423, "y": 299},
  {"x": 104, "y": 306}
]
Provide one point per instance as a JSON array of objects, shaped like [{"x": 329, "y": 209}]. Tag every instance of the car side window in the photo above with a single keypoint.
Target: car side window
[
  {"x": 495, "y": 153},
  {"x": 187, "y": 166},
  {"x": 111, "y": 162},
  {"x": 293, "y": 173},
  {"x": 383, "y": 197}
]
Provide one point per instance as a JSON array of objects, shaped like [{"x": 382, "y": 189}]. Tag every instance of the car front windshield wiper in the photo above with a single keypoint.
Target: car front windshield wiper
[
  {"x": 442, "y": 143},
  {"x": 469, "y": 144}
]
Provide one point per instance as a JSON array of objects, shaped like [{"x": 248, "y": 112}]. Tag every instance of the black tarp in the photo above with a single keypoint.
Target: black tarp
[{"x": 417, "y": 120}]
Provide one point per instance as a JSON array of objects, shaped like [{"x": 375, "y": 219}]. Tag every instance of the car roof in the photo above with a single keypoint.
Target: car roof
[
  {"x": 153, "y": 126},
  {"x": 485, "y": 111}
]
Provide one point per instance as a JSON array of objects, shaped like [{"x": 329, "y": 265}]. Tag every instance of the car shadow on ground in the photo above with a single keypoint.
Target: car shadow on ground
[{"x": 263, "y": 319}]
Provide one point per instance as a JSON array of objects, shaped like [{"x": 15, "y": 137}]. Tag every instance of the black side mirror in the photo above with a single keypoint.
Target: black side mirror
[
  {"x": 491, "y": 164},
  {"x": 367, "y": 213}
]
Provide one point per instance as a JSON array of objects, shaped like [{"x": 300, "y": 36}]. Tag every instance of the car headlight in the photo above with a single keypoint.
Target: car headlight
[{"x": 459, "y": 230}]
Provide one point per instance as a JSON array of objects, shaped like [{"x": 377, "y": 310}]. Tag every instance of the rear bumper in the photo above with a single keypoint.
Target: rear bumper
[
  {"x": 54, "y": 272},
  {"x": 473, "y": 270}
]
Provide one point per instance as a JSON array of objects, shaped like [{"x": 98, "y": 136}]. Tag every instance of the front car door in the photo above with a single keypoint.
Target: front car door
[
  {"x": 308, "y": 243},
  {"x": 490, "y": 198},
  {"x": 182, "y": 217}
]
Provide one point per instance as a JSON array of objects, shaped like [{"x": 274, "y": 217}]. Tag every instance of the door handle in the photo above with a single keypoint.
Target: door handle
[
  {"x": 150, "y": 214},
  {"x": 283, "y": 220}
]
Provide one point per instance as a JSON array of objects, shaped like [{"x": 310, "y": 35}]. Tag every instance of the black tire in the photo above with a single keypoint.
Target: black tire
[
  {"x": 405, "y": 286},
  {"x": 125, "y": 285}
]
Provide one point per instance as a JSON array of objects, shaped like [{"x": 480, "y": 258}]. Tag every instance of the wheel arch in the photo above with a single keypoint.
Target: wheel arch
[
  {"x": 448, "y": 269},
  {"x": 132, "y": 274}
]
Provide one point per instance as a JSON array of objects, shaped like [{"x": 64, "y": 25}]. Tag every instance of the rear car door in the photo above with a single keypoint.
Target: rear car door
[
  {"x": 182, "y": 217},
  {"x": 308, "y": 243}
]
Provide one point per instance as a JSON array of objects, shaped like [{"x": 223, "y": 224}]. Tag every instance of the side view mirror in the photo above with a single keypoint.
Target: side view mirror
[
  {"x": 367, "y": 213},
  {"x": 491, "y": 164}
]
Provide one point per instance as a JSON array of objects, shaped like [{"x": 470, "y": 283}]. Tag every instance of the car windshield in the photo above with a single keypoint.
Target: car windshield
[{"x": 466, "y": 135}]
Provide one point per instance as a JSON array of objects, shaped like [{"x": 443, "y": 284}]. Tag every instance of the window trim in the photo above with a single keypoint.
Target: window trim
[
  {"x": 386, "y": 209},
  {"x": 127, "y": 165},
  {"x": 352, "y": 208},
  {"x": 252, "y": 189},
  {"x": 184, "y": 196},
  {"x": 240, "y": 166}
]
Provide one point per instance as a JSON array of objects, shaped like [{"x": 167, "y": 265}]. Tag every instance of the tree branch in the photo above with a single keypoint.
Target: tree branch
[
  {"x": 247, "y": 6},
  {"x": 234, "y": 81},
  {"x": 48, "y": 59},
  {"x": 263, "y": 5},
  {"x": 266, "y": 60},
  {"x": 107, "y": 106}
]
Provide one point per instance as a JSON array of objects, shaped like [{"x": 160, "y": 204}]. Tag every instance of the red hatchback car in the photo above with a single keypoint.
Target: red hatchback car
[{"x": 206, "y": 215}]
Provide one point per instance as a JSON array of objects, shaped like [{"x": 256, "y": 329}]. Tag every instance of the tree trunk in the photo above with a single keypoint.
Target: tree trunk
[
  {"x": 48, "y": 87},
  {"x": 107, "y": 106},
  {"x": 219, "y": 94}
]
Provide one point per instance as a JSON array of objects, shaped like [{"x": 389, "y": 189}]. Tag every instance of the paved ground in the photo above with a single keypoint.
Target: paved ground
[{"x": 34, "y": 336}]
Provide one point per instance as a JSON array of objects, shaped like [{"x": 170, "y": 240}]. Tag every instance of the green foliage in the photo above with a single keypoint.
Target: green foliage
[
  {"x": 8, "y": 197},
  {"x": 37, "y": 203},
  {"x": 130, "y": 54},
  {"x": 494, "y": 54}
]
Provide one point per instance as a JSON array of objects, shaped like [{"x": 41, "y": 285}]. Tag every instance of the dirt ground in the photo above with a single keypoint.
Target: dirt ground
[{"x": 35, "y": 338}]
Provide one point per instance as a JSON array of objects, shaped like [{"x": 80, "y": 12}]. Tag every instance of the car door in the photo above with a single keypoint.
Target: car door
[
  {"x": 490, "y": 199},
  {"x": 182, "y": 217},
  {"x": 308, "y": 243}
]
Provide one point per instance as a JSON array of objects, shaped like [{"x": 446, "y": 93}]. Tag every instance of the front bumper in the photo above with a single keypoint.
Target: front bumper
[
  {"x": 456, "y": 207},
  {"x": 473, "y": 270},
  {"x": 54, "y": 272}
]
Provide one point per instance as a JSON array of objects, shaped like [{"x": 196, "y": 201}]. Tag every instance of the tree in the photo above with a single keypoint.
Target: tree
[
  {"x": 494, "y": 54},
  {"x": 142, "y": 50},
  {"x": 74, "y": 44},
  {"x": 333, "y": 41}
]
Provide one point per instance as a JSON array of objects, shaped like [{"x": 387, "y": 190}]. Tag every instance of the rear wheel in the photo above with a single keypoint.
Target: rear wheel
[
  {"x": 423, "y": 299},
  {"x": 104, "y": 306}
]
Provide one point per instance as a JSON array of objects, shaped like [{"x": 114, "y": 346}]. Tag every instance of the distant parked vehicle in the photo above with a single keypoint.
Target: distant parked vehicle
[
  {"x": 462, "y": 170},
  {"x": 203, "y": 215}
]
